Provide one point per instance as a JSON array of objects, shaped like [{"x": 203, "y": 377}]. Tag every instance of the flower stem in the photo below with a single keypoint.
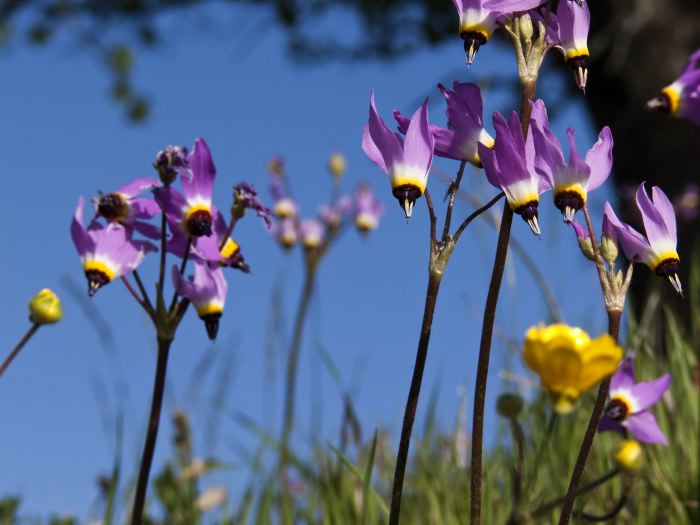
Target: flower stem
[
  {"x": 452, "y": 192},
  {"x": 32, "y": 330},
  {"x": 614, "y": 317},
  {"x": 161, "y": 269},
  {"x": 153, "y": 422},
  {"x": 293, "y": 360},
  {"x": 413, "y": 393},
  {"x": 528, "y": 92}
]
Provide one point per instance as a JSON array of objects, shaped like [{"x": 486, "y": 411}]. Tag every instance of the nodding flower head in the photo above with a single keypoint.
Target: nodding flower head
[
  {"x": 245, "y": 197},
  {"x": 510, "y": 165},
  {"x": 408, "y": 161},
  {"x": 629, "y": 403},
  {"x": 465, "y": 128},
  {"x": 334, "y": 214},
  {"x": 285, "y": 207},
  {"x": 681, "y": 98},
  {"x": 192, "y": 211},
  {"x": 285, "y": 231},
  {"x": 126, "y": 207},
  {"x": 571, "y": 23},
  {"x": 568, "y": 361},
  {"x": 171, "y": 162},
  {"x": 337, "y": 165},
  {"x": 658, "y": 249},
  {"x": 311, "y": 233},
  {"x": 367, "y": 210},
  {"x": 584, "y": 240},
  {"x": 571, "y": 181},
  {"x": 105, "y": 252},
  {"x": 479, "y": 18},
  {"x": 206, "y": 289}
]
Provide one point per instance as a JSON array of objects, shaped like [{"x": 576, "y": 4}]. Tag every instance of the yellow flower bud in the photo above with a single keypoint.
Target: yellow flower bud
[
  {"x": 336, "y": 165},
  {"x": 629, "y": 456},
  {"x": 45, "y": 308}
]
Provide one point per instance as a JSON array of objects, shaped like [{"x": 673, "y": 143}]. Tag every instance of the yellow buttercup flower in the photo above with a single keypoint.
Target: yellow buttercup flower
[{"x": 568, "y": 361}]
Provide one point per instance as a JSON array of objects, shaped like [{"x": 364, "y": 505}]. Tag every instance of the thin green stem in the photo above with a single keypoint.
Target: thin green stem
[
  {"x": 144, "y": 294},
  {"x": 614, "y": 318},
  {"x": 133, "y": 292},
  {"x": 475, "y": 214},
  {"x": 528, "y": 92},
  {"x": 32, "y": 330},
  {"x": 153, "y": 423},
  {"x": 519, "y": 467},
  {"x": 413, "y": 394},
  {"x": 183, "y": 265},
  {"x": 161, "y": 270}
]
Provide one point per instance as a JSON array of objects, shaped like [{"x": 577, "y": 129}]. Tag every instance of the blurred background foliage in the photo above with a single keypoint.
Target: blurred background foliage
[{"x": 350, "y": 483}]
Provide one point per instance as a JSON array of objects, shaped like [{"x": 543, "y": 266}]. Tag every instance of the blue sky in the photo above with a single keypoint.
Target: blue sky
[{"x": 62, "y": 137}]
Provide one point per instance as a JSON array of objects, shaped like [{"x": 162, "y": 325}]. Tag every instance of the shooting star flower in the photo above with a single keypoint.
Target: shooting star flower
[
  {"x": 126, "y": 207},
  {"x": 682, "y": 97},
  {"x": 658, "y": 249},
  {"x": 368, "y": 209},
  {"x": 628, "y": 407},
  {"x": 105, "y": 252},
  {"x": 206, "y": 289},
  {"x": 406, "y": 162},
  {"x": 465, "y": 128}
]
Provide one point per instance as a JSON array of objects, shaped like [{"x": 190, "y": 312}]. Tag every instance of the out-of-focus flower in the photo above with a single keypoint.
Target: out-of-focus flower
[
  {"x": 334, "y": 214},
  {"x": 584, "y": 240},
  {"x": 368, "y": 209},
  {"x": 337, "y": 165},
  {"x": 568, "y": 361},
  {"x": 658, "y": 249},
  {"x": 688, "y": 202},
  {"x": 192, "y": 211},
  {"x": 124, "y": 206},
  {"x": 465, "y": 128},
  {"x": 245, "y": 197},
  {"x": 682, "y": 97},
  {"x": 276, "y": 166},
  {"x": 478, "y": 20},
  {"x": 284, "y": 207},
  {"x": 406, "y": 162},
  {"x": 207, "y": 292},
  {"x": 171, "y": 162},
  {"x": 285, "y": 231},
  {"x": 629, "y": 456},
  {"x": 105, "y": 252},
  {"x": 571, "y": 24},
  {"x": 45, "y": 308},
  {"x": 311, "y": 233},
  {"x": 510, "y": 165},
  {"x": 571, "y": 182},
  {"x": 211, "y": 498},
  {"x": 628, "y": 407}
]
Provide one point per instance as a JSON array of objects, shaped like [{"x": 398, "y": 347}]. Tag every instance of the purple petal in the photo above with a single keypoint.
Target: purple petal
[
  {"x": 655, "y": 224},
  {"x": 649, "y": 393},
  {"x": 419, "y": 143},
  {"x": 470, "y": 95},
  {"x": 607, "y": 424},
  {"x": 171, "y": 202},
  {"x": 510, "y": 151},
  {"x": 458, "y": 5},
  {"x": 692, "y": 63},
  {"x": 645, "y": 428},
  {"x": 488, "y": 160},
  {"x": 668, "y": 214},
  {"x": 200, "y": 163},
  {"x": 136, "y": 187},
  {"x": 633, "y": 243},
  {"x": 576, "y": 164},
  {"x": 145, "y": 229},
  {"x": 511, "y": 6},
  {"x": 371, "y": 150},
  {"x": 385, "y": 142},
  {"x": 599, "y": 159},
  {"x": 143, "y": 208},
  {"x": 82, "y": 240},
  {"x": 624, "y": 376}
]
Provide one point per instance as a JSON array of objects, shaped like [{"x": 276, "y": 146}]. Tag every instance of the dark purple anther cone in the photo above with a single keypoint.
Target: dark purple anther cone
[{"x": 211, "y": 322}]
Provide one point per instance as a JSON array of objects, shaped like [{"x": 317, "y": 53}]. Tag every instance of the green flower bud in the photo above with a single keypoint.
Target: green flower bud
[{"x": 509, "y": 405}]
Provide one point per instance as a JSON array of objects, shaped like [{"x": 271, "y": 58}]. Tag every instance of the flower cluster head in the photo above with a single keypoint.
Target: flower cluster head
[
  {"x": 196, "y": 230},
  {"x": 681, "y": 98},
  {"x": 479, "y": 18},
  {"x": 568, "y": 361},
  {"x": 570, "y": 181},
  {"x": 316, "y": 233},
  {"x": 510, "y": 166},
  {"x": 406, "y": 162},
  {"x": 465, "y": 127},
  {"x": 658, "y": 248},
  {"x": 628, "y": 407}
]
